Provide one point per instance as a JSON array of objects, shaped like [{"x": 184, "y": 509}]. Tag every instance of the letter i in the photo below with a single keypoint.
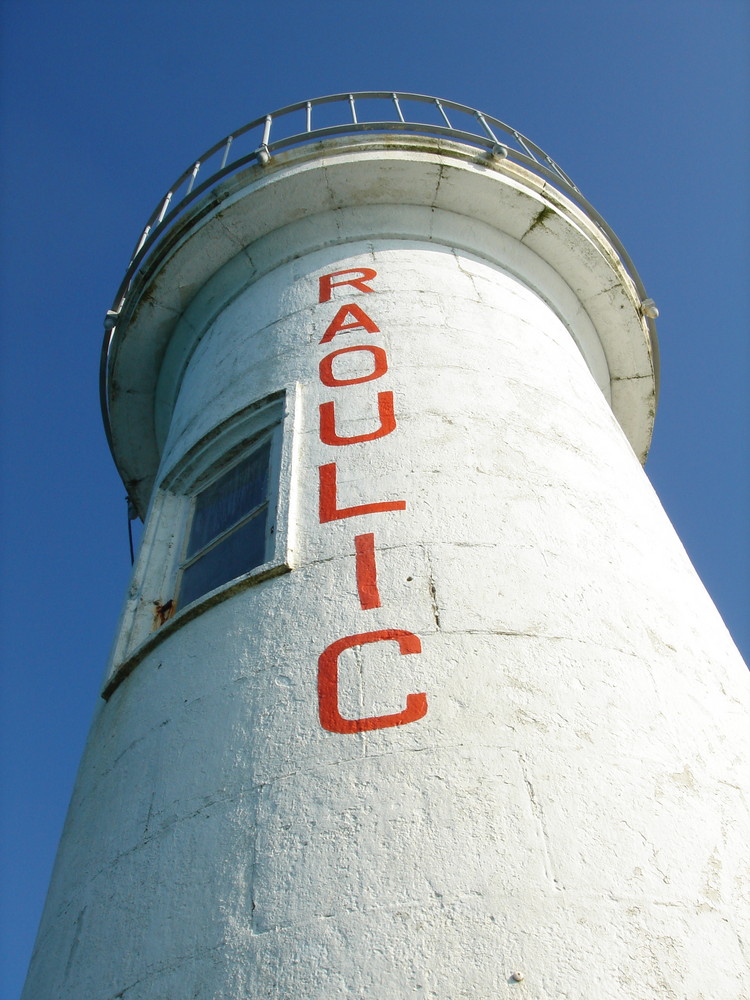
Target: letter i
[{"x": 367, "y": 581}]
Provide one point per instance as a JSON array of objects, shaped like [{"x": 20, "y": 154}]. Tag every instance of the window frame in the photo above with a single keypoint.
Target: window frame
[
  {"x": 272, "y": 436},
  {"x": 151, "y": 613}
]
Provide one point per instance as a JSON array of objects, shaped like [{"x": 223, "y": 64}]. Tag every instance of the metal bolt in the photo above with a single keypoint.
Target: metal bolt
[
  {"x": 264, "y": 156},
  {"x": 648, "y": 308},
  {"x": 517, "y": 976},
  {"x": 499, "y": 151}
]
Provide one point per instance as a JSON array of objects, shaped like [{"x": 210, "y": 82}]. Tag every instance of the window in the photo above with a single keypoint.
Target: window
[
  {"x": 230, "y": 533},
  {"x": 219, "y": 522}
]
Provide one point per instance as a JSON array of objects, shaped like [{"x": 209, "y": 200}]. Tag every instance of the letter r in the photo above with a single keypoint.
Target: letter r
[{"x": 327, "y": 284}]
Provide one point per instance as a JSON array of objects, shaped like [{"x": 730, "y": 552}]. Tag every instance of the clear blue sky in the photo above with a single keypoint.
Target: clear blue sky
[{"x": 643, "y": 102}]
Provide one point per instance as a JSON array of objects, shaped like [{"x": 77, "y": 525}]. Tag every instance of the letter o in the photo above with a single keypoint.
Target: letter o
[{"x": 380, "y": 362}]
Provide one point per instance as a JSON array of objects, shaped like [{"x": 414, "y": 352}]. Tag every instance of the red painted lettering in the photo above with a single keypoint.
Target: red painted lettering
[
  {"x": 326, "y": 366},
  {"x": 367, "y": 577},
  {"x": 329, "y": 509},
  {"x": 327, "y": 283},
  {"x": 387, "y": 417},
  {"x": 361, "y": 321},
  {"x": 328, "y": 684}
]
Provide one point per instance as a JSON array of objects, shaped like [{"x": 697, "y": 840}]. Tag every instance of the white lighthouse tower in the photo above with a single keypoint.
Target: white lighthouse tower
[{"x": 415, "y": 692}]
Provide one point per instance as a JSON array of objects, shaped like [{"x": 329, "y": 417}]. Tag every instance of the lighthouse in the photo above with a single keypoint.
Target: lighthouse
[{"x": 414, "y": 692}]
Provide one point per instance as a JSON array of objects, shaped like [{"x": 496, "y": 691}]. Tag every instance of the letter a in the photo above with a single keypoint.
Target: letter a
[{"x": 361, "y": 321}]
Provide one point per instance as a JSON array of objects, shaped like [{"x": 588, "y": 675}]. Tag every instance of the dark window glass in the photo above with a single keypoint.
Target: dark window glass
[
  {"x": 234, "y": 556},
  {"x": 229, "y": 527},
  {"x": 230, "y": 499}
]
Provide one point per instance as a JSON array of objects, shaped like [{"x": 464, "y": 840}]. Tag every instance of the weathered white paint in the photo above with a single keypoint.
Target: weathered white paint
[{"x": 574, "y": 804}]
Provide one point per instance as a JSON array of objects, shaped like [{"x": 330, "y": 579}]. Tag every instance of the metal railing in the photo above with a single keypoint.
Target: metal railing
[{"x": 336, "y": 115}]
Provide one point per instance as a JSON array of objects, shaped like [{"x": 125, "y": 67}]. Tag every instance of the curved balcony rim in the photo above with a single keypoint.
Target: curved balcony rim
[{"x": 341, "y": 115}]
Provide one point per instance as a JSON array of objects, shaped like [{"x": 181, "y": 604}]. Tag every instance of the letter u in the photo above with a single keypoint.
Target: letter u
[{"x": 386, "y": 415}]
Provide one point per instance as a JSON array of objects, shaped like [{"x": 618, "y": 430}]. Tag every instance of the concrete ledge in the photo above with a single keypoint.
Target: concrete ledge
[{"x": 337, "y": 175}]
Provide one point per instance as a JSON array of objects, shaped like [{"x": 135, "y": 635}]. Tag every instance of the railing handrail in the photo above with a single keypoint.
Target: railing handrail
[{"x": 490, "y": 134}]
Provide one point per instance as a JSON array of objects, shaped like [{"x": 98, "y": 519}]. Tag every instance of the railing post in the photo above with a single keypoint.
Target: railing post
[
  {"x": 194, "y": 174},
  {"x": 230, "y": 140},
  {"x": 267, "y": 130}
]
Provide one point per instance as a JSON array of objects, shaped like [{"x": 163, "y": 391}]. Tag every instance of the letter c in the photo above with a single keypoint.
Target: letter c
[{"x": 328, "y": 684}]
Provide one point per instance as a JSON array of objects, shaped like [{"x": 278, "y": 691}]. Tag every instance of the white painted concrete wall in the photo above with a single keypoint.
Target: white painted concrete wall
[{"x": 574, "y": 803}]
